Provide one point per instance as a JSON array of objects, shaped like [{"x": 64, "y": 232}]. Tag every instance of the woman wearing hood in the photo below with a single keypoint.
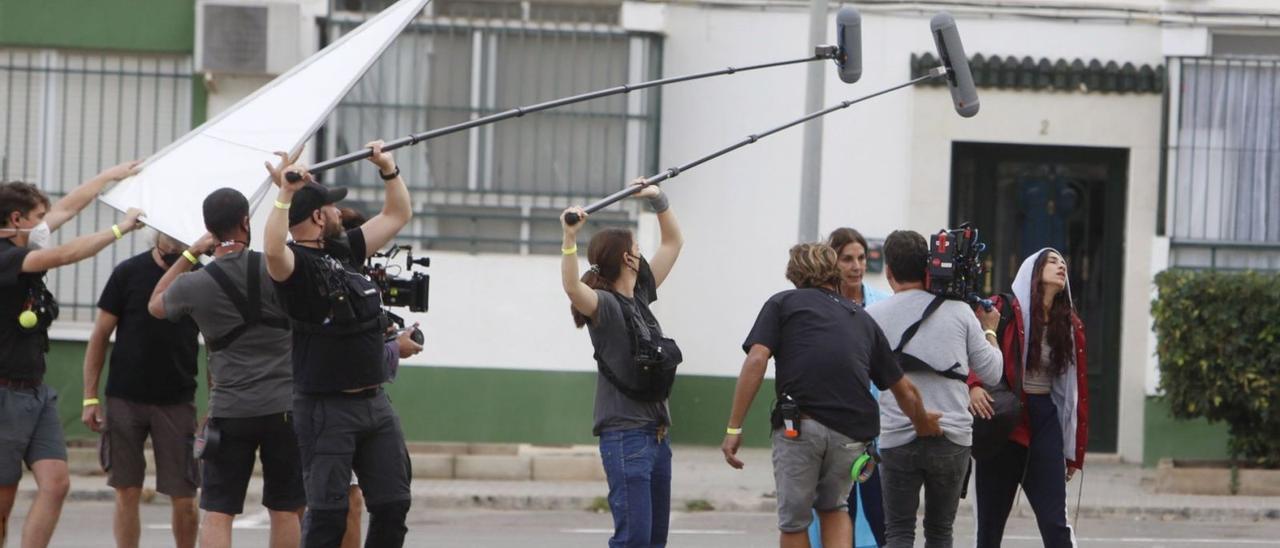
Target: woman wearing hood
[{"x": 1044, "y": 346}]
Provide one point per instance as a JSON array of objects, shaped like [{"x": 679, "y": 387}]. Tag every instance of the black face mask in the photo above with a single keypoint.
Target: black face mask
[
  {"x": 170, "y": 258},
  {"x": 338, "y": 246}
]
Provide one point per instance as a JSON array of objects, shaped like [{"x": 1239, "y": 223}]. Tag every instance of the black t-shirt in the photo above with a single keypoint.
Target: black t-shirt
[
  {"x": 826, "y": 350},
  {"x": 152, "y": 361},
  {"x": 21, "y": 351},
  {"x": 327, "y": 362}
]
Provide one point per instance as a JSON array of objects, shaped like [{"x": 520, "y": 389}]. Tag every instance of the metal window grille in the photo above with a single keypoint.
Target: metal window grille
[
  {"x": 499, "y": 188},
  {"x": 1223, "y": 163},
  {"x": 65, "y": 116}
]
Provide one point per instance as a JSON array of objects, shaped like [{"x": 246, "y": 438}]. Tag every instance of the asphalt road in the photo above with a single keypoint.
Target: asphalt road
[{"x": 89, "y": 524}]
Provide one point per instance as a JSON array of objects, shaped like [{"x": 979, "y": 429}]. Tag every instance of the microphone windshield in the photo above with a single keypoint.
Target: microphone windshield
[
  {"x": 849, "y": 41},
  {"x": 951, "y": 51}
]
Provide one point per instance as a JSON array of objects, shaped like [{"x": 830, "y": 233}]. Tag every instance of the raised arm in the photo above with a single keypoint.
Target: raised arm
[
  {"x": 396, "y": 210},
  {"x": 582, "y": 297},
  {"x": 669, "y": 249},
  {"x": 76, "y": 200},
  {"x": 279, "y": 256},
  {"x": 182, "y": 266},
  {"x": 80, "y": 248},
  {"x": 749, "y": 381}
]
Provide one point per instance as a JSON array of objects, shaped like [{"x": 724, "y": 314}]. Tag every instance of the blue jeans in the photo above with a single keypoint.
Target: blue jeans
[{"x": 638, "y": 466}]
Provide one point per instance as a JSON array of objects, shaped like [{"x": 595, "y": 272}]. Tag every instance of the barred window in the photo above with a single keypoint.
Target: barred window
[
  {"x": 499, "y": 187},
  {"x": 64, "y": 117}
]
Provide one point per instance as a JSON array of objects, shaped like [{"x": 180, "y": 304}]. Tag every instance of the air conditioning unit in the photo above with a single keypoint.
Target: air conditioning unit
[{"x": 247, "y": 37}]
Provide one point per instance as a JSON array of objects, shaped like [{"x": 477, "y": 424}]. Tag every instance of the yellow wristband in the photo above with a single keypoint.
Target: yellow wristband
[
  {"x": 115, "y": 229},
  {"x": 570, "y": 250},
  {"x": 186, "y": 254},
  {"x": 91, "y": 401},
  {"x": 282, "y": 205},
  {"x": 991, "y": 334},
  {"x": 733, "y": 431}
]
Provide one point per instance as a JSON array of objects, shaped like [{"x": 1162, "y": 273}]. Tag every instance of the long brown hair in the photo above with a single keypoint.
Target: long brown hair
[
  {"x": 1058, "y": 328},
  {"x": 605, "y": 253}
]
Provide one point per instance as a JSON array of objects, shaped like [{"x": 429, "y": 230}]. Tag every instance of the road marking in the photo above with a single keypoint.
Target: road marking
[
  {"x": 671, "y": 532},
  {"x": 258, "y": 521},
  {"x": 1138, "y": 540}
]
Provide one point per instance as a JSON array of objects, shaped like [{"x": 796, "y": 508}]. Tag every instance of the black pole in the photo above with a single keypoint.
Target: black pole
[
  {"x": 820, "y": 53},
  {"x": 572, "y": 218}
]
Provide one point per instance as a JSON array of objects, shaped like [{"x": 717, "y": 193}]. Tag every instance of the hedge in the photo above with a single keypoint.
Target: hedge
[{"x": 1217, "y": 338}]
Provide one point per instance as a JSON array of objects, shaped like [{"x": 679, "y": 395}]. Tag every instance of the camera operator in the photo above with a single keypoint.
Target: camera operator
[
  {"x": 28, "y": 407},
  {"x": 342, "y": 416},
  {"x": 947, "y": 338}
]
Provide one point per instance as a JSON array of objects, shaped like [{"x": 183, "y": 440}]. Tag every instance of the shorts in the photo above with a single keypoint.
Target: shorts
[
  {"x": 812, "y": 473},
  {"x": 228, "y": 466},
  {"x": 31, "y": 431},
  {"x": 172, "y": 429}
]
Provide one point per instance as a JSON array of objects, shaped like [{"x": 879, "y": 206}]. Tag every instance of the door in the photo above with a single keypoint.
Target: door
[{"x": 1023, "y": 198}]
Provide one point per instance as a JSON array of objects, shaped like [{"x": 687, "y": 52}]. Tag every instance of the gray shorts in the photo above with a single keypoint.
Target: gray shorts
[
  {"x": 171, "y": 429},
  {"x": 812, "y": 473},
  {"x": 31, "y": 430}
]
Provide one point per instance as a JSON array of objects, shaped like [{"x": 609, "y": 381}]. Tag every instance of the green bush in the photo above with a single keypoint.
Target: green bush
[{"x": 1217, "y": 338}]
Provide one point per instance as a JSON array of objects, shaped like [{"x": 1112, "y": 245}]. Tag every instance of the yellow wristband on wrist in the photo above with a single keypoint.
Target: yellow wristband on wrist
[
  {"x": 186, "y": 254},
  {"x": 91, "y": 401},
  {"x": 282, "y": 205},
  {"x": 991, "y": 334},
  {"x": 733, "y": 431},
  {"x": 115, "y": 229},
  {"x": 570, "y": 250}
]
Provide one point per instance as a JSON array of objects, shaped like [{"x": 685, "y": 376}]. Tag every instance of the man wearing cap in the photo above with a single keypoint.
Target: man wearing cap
[
  {"x": 343, "y": 419},
  {"x": 247, "y": 334}
]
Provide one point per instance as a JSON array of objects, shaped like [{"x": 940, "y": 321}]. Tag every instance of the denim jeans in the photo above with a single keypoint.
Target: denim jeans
[
  {"x": 638, "y": 466},
  {"x": 935, "y": 464}
]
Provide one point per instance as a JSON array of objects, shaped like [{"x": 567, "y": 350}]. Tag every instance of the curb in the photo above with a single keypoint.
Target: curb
[{"x": 758, "y": 504}]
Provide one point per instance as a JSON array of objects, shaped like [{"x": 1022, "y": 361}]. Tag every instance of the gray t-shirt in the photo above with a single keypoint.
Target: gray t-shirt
[
  {"x": 613, "y": 409},
  {"x": 951, "y": 335},
  {"x": 254, "y": 376}
]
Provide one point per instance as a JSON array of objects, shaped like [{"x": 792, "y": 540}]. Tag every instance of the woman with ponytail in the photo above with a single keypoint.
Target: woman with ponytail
[
  {"x": 636, "y": 366},
  {"x": 1044, "y": 347}
]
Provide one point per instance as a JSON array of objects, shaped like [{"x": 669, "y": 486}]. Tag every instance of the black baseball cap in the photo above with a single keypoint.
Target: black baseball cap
[{"x": 311, "y": 197}]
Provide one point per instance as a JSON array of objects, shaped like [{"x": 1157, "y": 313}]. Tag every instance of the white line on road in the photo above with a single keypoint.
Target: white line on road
[
  {"x": 671, "y": 532},
  {"x": 258, "y": 521},
  {"x": 1135, "y": 540}
]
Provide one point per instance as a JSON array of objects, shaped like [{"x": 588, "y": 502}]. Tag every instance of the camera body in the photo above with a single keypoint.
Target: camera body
[
  {"x": 955, "y": 264},
  {"x": 401, "y": 287}
]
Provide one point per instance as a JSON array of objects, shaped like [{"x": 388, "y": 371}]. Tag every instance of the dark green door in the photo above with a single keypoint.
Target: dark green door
[{"x": 1023, "y": 198}]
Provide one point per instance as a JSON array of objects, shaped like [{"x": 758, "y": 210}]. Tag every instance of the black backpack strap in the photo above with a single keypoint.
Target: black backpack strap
[
  {"x": 913, "y": 364},
  {"x": 911, "y": 331},
  {"x": 250, "y": 307}
]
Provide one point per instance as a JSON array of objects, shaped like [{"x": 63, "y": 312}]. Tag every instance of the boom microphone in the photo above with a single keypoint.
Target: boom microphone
[
  {"x": 849, "y": 44},
  {"x": 951, "y": 51}
]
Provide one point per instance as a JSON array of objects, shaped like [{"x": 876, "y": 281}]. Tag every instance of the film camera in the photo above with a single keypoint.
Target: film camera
[
  {"x": 401, "y": 286},
  {"x": 955, "y": 265}
]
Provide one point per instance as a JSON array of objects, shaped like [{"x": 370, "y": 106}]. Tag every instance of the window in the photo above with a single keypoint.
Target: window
[
  {"x": 64, "y": 117},
  {"x": 500, "y": 187}
]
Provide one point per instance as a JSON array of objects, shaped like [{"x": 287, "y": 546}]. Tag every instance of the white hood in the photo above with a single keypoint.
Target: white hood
[{"x": 1065, "y": 391}]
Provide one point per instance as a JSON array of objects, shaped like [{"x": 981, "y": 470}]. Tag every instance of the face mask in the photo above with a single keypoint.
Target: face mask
[
  {"x": 170, "y": 258},
  {"x": 40, "y": 237}
]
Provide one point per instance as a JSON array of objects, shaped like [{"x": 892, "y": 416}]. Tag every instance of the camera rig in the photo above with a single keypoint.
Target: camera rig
[
  {"x": 955, "y": 265},
  {"x": 400, "y": 286}
]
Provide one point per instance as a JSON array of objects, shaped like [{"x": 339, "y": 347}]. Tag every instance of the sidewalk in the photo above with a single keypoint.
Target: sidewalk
[{"x": 701, "y": 478}]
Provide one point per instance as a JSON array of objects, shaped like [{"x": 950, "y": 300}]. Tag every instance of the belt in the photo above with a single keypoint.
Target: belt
[{"x": 19, "y": 384}]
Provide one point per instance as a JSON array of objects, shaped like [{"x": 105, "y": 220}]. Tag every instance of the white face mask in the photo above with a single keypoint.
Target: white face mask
[{"x": 40, "y": 237}]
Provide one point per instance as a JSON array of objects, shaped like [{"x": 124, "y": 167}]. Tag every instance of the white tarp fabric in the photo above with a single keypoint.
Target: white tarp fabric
[{"x": 228, "y": 151}]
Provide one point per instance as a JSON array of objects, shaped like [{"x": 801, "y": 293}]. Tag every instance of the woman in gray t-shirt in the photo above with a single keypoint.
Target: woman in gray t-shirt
[{"x": 612, "y": 300}]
